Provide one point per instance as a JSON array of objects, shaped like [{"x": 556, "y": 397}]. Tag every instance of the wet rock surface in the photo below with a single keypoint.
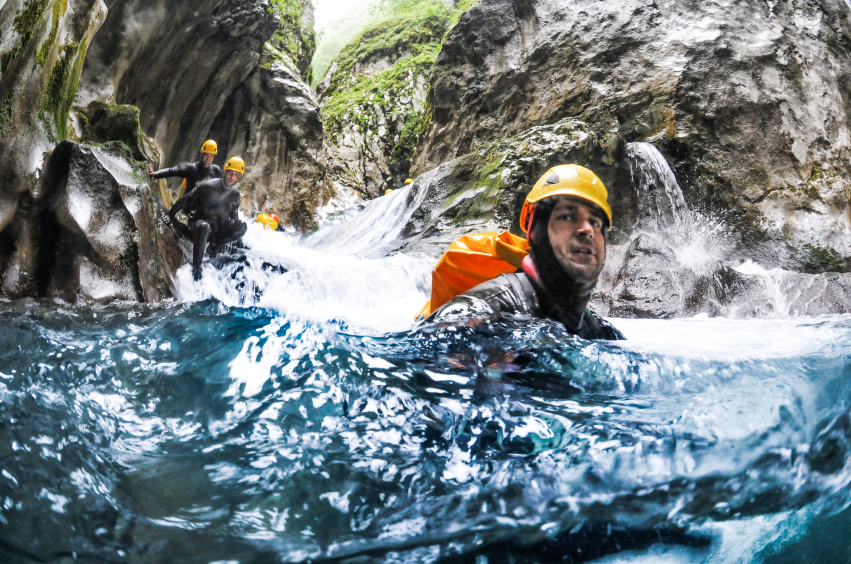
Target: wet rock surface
[
  {"x": 228, "y": 70},
  {"x": 272, "y": 120},
  {"x": 748, "y": 101},
  {"x": 95, "y": 234}
]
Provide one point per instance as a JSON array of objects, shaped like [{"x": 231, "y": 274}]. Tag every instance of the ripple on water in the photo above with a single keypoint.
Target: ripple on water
[{"x": 197, "y": 432}]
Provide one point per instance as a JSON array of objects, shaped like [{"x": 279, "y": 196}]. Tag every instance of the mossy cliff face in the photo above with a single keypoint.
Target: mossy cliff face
[
  {"x": 747, "y": 100},
  {"x": 229, "y": 70},
  {"x": 295, "y": 38},
  {"x": 373, "y": 97},
  {"x": 41, "y": 50}
]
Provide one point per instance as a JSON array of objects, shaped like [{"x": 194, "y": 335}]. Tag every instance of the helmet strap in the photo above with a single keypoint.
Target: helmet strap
[{"x": 530, "y": 221}]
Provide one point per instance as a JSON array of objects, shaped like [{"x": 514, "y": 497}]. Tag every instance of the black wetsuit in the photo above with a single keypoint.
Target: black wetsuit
[
  {"x": 192, "y": 172},
  {"x": 514, "y": 294},
  {"x": 542, "y": 289},
  {"x": 212, "y": 209}
]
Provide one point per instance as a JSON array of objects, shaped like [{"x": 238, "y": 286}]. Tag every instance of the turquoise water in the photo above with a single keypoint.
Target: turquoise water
[{"x": 286, "y": 409}]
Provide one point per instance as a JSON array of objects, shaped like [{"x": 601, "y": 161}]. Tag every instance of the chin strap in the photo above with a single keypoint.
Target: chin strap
[
  {"x": 530, "y": 270},
  {"x": 530, "y": 222}
]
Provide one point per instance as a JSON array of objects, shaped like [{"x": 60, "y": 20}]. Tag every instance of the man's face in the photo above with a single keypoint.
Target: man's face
[
  {"x": 207, "y": 159},
  {"x": 576, "y": 235},
  {"x": 231, "y": 176}
]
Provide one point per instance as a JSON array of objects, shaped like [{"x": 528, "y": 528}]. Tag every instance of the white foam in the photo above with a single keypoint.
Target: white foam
[{"x": 731, "y": 339}]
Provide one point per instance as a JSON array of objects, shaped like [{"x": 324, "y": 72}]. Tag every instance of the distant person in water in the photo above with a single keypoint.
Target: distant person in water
[
  {"x": 567, "y": 217},
  {"x": 212, "y": 209},
  {"x": 193, "y": 173}
]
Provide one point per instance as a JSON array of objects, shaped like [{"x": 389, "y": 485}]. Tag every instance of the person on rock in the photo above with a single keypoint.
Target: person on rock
[
  {"x": 567, "y": 217},
  {"x": 212, "y": 210},
  {"x": 192, "y": 173}
]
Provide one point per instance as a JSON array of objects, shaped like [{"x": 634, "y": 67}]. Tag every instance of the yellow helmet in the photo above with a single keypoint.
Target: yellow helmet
[
  {"x": 408, "y": 181},
  {"x": 388, "y": 191},
  {"x": 267, "y": 221},
  {"x": 237, "y": 164},
  {"x": 567, "y": 180},
  {"x": 210, "y": 146}
]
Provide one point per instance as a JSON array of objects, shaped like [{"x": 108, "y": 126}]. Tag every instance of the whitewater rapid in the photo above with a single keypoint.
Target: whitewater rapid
[{"x": 288, "y": 407}]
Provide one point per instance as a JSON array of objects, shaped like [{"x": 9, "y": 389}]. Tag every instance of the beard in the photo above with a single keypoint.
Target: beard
[{"x": 563, "y": 297}]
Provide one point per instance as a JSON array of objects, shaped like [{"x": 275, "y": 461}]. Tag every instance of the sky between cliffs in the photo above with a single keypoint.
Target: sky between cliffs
[{"x": 337, "y": 23}]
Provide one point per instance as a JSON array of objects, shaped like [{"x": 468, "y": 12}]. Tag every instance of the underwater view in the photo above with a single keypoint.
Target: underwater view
[{"x": 287, "y": 408}]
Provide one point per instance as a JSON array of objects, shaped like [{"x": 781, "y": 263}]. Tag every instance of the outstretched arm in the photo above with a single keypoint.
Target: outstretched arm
[{"x": 182, "y": 170}]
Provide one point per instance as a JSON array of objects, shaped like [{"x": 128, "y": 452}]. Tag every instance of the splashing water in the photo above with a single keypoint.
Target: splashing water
[
  {"x": 661, "y": 205},
  {"x": 287, "y": 410},
  {"x": 700, "y": 241}
]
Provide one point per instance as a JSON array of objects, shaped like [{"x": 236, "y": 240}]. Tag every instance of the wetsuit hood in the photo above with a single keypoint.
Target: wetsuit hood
[{"x": 562, "y": 297}]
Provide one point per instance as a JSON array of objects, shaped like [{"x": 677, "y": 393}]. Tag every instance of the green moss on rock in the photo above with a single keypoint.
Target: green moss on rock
[
  {"x": 26, "y": 24},
  {"x": 114, "y": 123},
  {"x": 59, "y": 8},
  {"x": 821, "y": 259},
  {"x": 295, "y": 36}
]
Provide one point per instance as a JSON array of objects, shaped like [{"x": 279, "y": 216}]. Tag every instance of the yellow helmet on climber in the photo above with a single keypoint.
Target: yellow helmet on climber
[
  {"x": 236, "y": 164},
  {"x": 566, "y": 180},
  {"x": 210, "y": 147}
]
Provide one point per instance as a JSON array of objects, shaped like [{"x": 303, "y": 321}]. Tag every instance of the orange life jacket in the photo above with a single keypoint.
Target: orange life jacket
[{"x": 471, "y": 260}]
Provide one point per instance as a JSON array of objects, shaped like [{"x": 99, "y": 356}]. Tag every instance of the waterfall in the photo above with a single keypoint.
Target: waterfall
[
  {"x": 378, "y": 228},
  {"x": 661, "y": 206}
]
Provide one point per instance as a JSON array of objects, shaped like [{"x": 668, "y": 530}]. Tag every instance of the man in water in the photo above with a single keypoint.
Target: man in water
[
  {"x": 193, "y": 173},
  {"x": 567, "y": 217},
  {"x": 212, "y": 209}
]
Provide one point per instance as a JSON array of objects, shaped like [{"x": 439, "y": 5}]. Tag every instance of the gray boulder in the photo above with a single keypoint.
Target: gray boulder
[
  {"x": 96, "y": 234},
  {"x": 748, "y": 100}
]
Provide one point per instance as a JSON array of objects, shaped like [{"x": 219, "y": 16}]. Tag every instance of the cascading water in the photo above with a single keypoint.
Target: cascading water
[
  {"x": 286, "y": 409},
  {"x": 703, "y": 246},
  {"x": 661, "y": 206}
]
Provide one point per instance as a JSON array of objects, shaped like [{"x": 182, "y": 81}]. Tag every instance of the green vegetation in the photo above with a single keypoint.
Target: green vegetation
[
  {"x": 293, "y": 38},
  {"x": 59, "y": 8},
  {"x": 25, "y": 24},
  {"x": 61, "y": 89},
  {"x": 352, "y": 27},
  {"x": 6, "y": 114},
  {"x": 408, "y": 35},
  {"x": 820, "y": 259}
]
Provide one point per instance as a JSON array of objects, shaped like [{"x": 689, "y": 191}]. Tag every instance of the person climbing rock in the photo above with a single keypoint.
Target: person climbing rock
[
  {"x": 212, "y": 209},
  {"x": 567, "y": 217},
  {"x": 192, "y": 173}
]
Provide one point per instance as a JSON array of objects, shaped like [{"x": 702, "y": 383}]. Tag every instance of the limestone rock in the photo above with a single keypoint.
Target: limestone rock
[
  {"x": 176, "y": 62},
  {"x": 273, "y": 121},
  {"x": 95, "y": 235},
  {"x": 43, "y": 46},
  {"x": 748, "y": 100},
  {"x": 373, "y": 98}
]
